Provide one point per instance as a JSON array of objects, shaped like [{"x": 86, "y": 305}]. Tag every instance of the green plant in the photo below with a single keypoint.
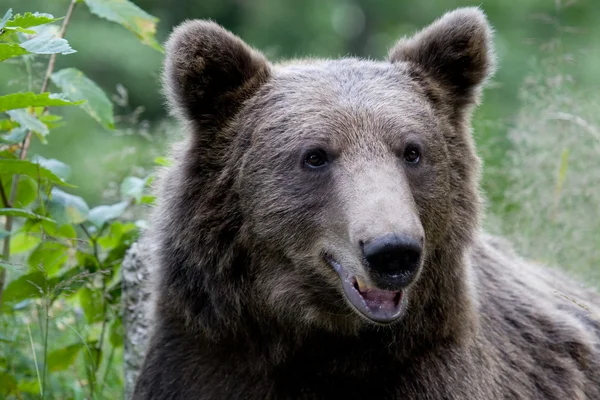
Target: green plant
[
  {"x": 60, "y": 319},
  {"x": 550, "y": 199}
]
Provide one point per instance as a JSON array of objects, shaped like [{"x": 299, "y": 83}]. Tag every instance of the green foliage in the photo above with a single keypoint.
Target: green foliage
[
  {"x": 60, "y": 267},
  {"x": 79, "y": 88},
  {"x": 5, "y": 19},
  {"x": 125, "y": 13},
  {"x": 27, "y": 20},
  {"x": 101, "y": 215},
  {"x": 552, "y": 196},
  {"x": 44, "y": 43},
  {"x": 47, "y": 43},
  {"x": 11, "y": 50},
  {"x": 28, "y": 121},
  {"x": 23, "y": 100},
  {"x": 11, "y": 167}
]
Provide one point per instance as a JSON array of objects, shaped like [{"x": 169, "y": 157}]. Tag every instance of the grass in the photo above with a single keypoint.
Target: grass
[{"x": 549, "y": 203}]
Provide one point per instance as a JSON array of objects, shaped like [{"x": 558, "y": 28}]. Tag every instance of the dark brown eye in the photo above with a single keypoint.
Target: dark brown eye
[
  {"x": 315, "y": 159},
  {"x": 412, "y": 154}
]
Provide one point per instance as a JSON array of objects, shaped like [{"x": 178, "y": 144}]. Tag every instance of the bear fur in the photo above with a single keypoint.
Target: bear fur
[{"x": 247, "y": 305}]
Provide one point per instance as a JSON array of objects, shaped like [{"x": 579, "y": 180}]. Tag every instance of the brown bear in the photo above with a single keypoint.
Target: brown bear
[{"x": 318, "y": 236}]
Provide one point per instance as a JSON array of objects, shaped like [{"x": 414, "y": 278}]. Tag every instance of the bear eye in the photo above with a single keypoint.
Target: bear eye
[
  {"x": 315, "y": 159},
  {"x": 412, "y": 154}
]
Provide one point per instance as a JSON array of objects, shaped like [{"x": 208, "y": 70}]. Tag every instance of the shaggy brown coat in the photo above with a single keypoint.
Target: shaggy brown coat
[{"x": 247, "y": 307}]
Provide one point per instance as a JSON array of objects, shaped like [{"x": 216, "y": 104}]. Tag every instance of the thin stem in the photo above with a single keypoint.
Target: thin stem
[
  {"x": 99, "y": 345},
  {"x": 104, "y": 321},
  {"x": 23, "y": 153},
  {"x": 47, "y": 327},
  {"x": 89, "y": 357},
  {"x": 107, "y": 369},
  {"x": 37, "y": 370},
  {"x": 94, "y": 243}
]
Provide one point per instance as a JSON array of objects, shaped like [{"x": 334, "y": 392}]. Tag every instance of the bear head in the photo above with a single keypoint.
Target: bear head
[{"x": 321, "y": 194}]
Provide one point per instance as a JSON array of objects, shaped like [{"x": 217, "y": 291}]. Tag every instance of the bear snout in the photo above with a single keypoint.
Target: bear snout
[{"x": 393, "y": 260}]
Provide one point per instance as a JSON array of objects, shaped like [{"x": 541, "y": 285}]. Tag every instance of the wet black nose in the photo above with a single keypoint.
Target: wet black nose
[{"x": 393, "y": 258}]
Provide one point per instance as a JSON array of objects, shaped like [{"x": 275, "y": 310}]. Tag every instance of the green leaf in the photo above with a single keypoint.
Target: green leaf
[
  {"x": 16, "y": 212},
  {"x": 8, "y": 384},
  {"x": 59, "y": 168},
  {"x": 67, "y": 208},
  {"x": 17, "y": 135},
  {"x": 127, "y": 14},
  {"x": 102, "y": 214},
  {"x": 62, "y": 359},
  {"x": 51, "y": 121},
  {"x": 133, "y": 187},
  {"x": 5, "y": 19},
  {"x": 23, "y": 100},
  {"x": 28, "y": 20},
  {"x": 18, "y": 29},
  {"x": 11, "y": 50},
  {"x": 7, "y": 125},
  {"x": 47, "y": 43},
  {"x": 27, "y": 191},
  {"x": 67, "y": 231},
  {"x": 113, "y": 236},
  {"x": 117, "y": 332},
  {"x": 147, "y": 199},
  {"x": 78, "y": 87},
  {"x": 23, "y": 167},
  {"x": 49, "y": 257},
  {"x": 87, "y": 261},
  {"x": 91, "y": 303},
  {"x": 21, "y": 242},
  {"x": 162, "y": 161},
  {"x": 16, "y": 269},
  {"x": 28, "y": 121},
  {"x": 30, "y": 286},
  {"x": 7, "y": 154},
  {"x": 94, "y": 355},
  {"x": 30, "y": 386}
]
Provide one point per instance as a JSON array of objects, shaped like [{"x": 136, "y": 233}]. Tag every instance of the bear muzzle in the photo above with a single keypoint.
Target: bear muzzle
[
  {"x": 393, "y": 260},
  {"x": 392, "y": 263}
]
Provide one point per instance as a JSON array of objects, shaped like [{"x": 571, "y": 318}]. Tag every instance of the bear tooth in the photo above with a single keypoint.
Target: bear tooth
[{"x": 361, "y": 284}]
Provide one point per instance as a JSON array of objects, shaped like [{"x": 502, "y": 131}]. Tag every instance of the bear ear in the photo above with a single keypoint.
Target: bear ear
[
  {"x": 455, "y": 52},
  {"x": 209, "y": 72}
]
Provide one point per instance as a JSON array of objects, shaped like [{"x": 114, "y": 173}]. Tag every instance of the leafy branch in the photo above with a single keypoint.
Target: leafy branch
[
  {"x": 49, "y": 71},
  {"x": 62, "y": 245},
  {"x": 8, "y": 224}
]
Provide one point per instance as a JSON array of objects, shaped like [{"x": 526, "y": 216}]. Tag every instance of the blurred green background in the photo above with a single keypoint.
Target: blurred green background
[{"x": 536, "y": 130}]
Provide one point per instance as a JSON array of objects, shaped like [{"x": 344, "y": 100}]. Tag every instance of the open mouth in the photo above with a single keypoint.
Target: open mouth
[{"x": 378, "y": 305}]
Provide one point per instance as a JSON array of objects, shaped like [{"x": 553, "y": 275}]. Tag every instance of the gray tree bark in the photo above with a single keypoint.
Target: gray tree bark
[{"x": 136, "y": 319}]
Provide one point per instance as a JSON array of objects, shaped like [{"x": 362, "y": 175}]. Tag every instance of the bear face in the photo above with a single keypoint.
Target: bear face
[
  {"x": 361, "y": 164},
  {"x": 328, "y": 194}
]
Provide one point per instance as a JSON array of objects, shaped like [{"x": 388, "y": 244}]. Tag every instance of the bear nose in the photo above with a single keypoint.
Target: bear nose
[{"x": 393, "y": 259}]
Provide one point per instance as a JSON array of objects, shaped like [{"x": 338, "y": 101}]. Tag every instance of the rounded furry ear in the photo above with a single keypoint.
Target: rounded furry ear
[
  {"x": 456, "y": 52},
  {"x": 209, "y": 72}
]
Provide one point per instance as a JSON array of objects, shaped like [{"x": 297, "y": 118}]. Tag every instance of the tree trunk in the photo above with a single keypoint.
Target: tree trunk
[{"x": 136, "y": 299}]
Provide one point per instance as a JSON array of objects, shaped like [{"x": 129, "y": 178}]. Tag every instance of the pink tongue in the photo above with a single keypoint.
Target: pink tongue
[{"x": 379, "y": 296}]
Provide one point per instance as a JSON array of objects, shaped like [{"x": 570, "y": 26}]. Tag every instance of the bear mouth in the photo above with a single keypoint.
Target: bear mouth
[{"x": 377, "y": 305}]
